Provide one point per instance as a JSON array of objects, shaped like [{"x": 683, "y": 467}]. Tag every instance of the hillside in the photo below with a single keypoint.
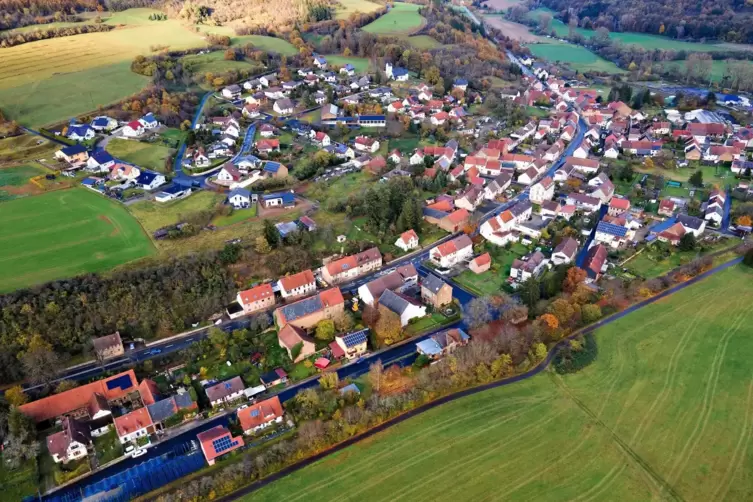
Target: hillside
[{"x": 728, "y": 20}]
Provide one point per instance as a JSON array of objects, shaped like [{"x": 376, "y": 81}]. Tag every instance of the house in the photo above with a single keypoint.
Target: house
[
  {"x": 604, "y": 192},
  {"x": 133, "y": 425},
  {"x": 80, "y": 132},
  {"x": 257, "y": 298},
  {"x": 259, "y": 416},
  {"x": 199, "y": 158},
  {"x": 451, "y": 221},
  {"x": 408, "y": 240},
  {"x": 216, "y": 442},
  {"x": 85, "y": 401},
  {"x": 348, "y": 70},
  {"x": 396, "y": 73},
  {"x": 296, "y": 285},
  {"x": 149, "y": 180},
  {"x": 439, "y": 118},
  {"x": 542, "y": 191},
  {"x": 450, "y": 253},
  {"x": 274, "y": 170},
  {"x": 307, "y": 223},
  {"x": 442, "y": 343},
  {"x": 251, "y": 110},
  {"x": 366, "y": 144},
  {"x": 71, "y": 443},
  {"x": 402, "y": 306},
  {"x": 320, "y": 62},
  {"x": 502, "y": 228},
  {"x": 106, "y": 347},
  {"x": 291, "y": 337},
  {"x": 268, "y": 145},
  {"x": 225, "y": 392},
  {"x": 267, "y": 131},
  {"x": 618, "y": 206},
  {"x": 480, "y": 263},
  {"x": 527, "y": 267},
  {"x": 565, "y": 252},
  {"x": 274, "y": 93},
  {"x": 149, "y": 121},
  {"x": 398, "y": 280},
  {"x": 642, "y": 148},
  {"x": 239, "y": 198},
  {"x": 268, "y": 80},
  {"x": 307, "y": 313},
  {"x": 435, "y": 292},
  {"x": 692, "y": 224},
  {"x": 228, "y": 174},
  {"x": 585, "y": 166},
  {"x": 372, "y": 120},
  {"x": 595, "y": 261},
  {"x": 473, "y": 197},
  {"x": 160, "y": 411},
  {"x": 133, "y": 129},
  {"x": 104, "y": 123},
  {"x": 279, "y": 199},
  {"x": 611, "y": 234},
  {"x": 74, "y": 155},
  {"x": 714, "y": 210},
  {"x": 350, "y": 267},
  {"x": 583, "y": 202},
  {"x": 321, "y": 138},
  {"x": 673, "y": 234},
  {"x": 100, "y": 161},
  {"x": 284, "y": 106},
  {"x": 352, "y": 345},
  {"x": 274, "y": 378},
  {"x": 666, "y": 208},
  {"x": 232, "y": 92},
  {"x": 497, "y": 186}
]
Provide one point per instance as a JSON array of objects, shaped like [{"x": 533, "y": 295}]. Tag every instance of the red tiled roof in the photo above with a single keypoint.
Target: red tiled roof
[
  {"x": 206, "y": 438},
  {"x": 291, "y": 282},
  {"x": 623, "y": 204},
  {"x": 260, "y": 413},
  {"x": 331, "y": 297},
  {"x": 482, "y": 259},
  {"x": 455, "y": 245},
  {"x": 149, "y": 392},
  {"x": 256, "y": 294},
  {"x": 408, "y": 235},
  {"x": 458, "y": 216},
  {"x": 132, "y": 422}
]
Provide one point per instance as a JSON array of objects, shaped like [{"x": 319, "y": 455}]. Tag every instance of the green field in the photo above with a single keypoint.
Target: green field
[
  {"x": 237, "y": 216},
  {"x": 348, "y": 7},
  {"x": 718, "y": 68},
  {"x": 271, "y": 44},
  {"x": 214, "y": 62},
  {"x": 361, "y": 64},
  {"x": 65, "y": 233},
  {"x": 19, "y": 175},
  {"x": 402, "y": 19},
  {"x": 423, "y": 42},
  {"x": 155, "y": 215},
  {"x": 665, "y": 412},
  {"x": 575, "y": 56},
  {"x": 148, "y": 155}
]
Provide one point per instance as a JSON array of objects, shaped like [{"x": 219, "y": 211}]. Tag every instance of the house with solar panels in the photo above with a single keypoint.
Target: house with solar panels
[
  {"x": 225, "y": 392},
  {"x": 216, "y": 442},
  {"x": 261, "y": 415},
  {"x": 307, "y": 313},
  {"x": 351, "y": 345},
  {"x": 611, "y": 234}
]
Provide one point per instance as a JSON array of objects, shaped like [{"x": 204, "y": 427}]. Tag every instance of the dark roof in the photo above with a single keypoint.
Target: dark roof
[
  {"x": 611, "y": 229},
  {"x": 301, "y": 308},
  {"x": 102, "y": 157},
  {"x": 73, "y": 149},
  {"x": 433, "y": 283},
  {"x": 355, "y": 338},
  {"x": 690, "y": 221},
  {"x": 146, "y": 177},
  {"x": 394, "y": 302},
  {"x": 224, "y": 389},
  {"x": 162, "y": 410},
  {"x": 568, "y": 247},
  {"x": 184, "y": 400}
]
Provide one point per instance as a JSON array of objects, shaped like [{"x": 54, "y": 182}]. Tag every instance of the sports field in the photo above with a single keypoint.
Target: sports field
[
  {"x": 402, "y": 19},
  {"x": 665, "y": 412},
  {"x": 149, "y": 155},
  {"x": 575, "y": 56},
  {"x": 65, "y": 233}
]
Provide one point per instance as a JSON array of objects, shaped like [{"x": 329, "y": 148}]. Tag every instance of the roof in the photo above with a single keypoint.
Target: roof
[
  {"x": 568, "y": 247},
  {"x": 132, "y": 422},
  {"x": 146, "y": 177},
  {"x": 162, "y": 410},
  {"x": 482, "y": 259},
  {"x": 393, "y": 280},
  {"x": 408, "y": 235},
  {"x": 350, "y": 388},
  {"x": 308, "y": 306},
  {"x": 259, "y": 293},
  {"x": 73, "y": 430},
  {"x": 53, "y": 406},
  {"x": 239, "y": 191},
  {"x": 690, "y": 221},
  {"x": 73, "y": 150},
  {"x": 102, "y": 157},
  {"x": 272, "y": 167},
  {"x": 290, "y": 336},
  {"x": 433, "y": 283},
  {"x": 107, "y": 341},
  {"x": 294, "y": 281},
  {"x": 218, "y": 441},
  {"x": 459, "y": 215},
  {"x": 394, "y": 302},
  {"x": 355, "y": 338},
  {"x": 260, "y": 413},
  {"x": 455, "y": 245},
  {"x": 611, "y": 229},
  {"x": 623, "y": 204},
  {"x": 287, "y": 197},
  {"x": 595, "y": 259},
  {"x": 222, "y": 390}
]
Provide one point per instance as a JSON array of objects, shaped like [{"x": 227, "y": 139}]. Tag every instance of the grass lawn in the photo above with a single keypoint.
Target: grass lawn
[
  {"x": 18, "y": 483},
  {"x": 347, "y": 7},
  {"x": 65, "y": 233},
  {"x": 155, "y": 215},
  {"x": 265, "y": 43},
  {"x": 650, "y": 264},
  {"x": 300, "y": 371},
  {"x": 215, "y": 62},
  {"x": 108, "y": 447},
  {"x": 402, "y": 19},
  {"x": 26, "y": 147},
  {"x": 432, "y": 321},
  {"x": 360, "y": 64},
  {"x": 237, "y": 216},
  {"x": 578, "y": 58},
  {"x": 663, "y": 413},
  {"x": 492, "y": 281},
  {"x": 149, "y": 155},
  {"x": 406, "y": 145},
  {"x": 424, "y": 42}
]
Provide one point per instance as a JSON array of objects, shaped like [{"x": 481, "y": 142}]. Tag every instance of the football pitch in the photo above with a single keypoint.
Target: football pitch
[
  {"x": 664, "y": 413},
  {"x": 65, "y": 233}
]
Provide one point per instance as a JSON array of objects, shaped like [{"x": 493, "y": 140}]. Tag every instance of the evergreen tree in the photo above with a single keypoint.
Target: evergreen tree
[{"x": 271, "y": 234}]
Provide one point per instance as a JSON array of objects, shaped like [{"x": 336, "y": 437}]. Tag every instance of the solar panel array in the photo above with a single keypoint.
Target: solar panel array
[
  {"x": 254, "y": 413},
  {"x": 223, "y": 444},
  {"x": 612, "y": 229},
  {"x": 355, "y": 338},
  {"x": 122, "y": 382},
  {"x": 302, "y": 308}
]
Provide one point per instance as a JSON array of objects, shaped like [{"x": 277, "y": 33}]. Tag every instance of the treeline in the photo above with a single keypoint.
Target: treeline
[
  {"x": 275, "y": 15},
  {"x": 170, "y": 108},
  {"x": 149, "y": 302},
  {"x": 728, "y": 20},
  {"x": 18, "y": 13},
  {"x": 12, "y": 39}
]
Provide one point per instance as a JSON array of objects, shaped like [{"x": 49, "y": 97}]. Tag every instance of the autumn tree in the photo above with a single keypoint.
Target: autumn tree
[
  {"x": 65, "y": 386},
  {"x": 329, "y": 380},
  {"x": 574, "y": 277},
  {"x": 376, "y": 373},
  {"x": 744, "y": 221},
  {"x": 388, "y": 328},
  {"x": 590, "y": 313},
  {"x": 325, "y": 330},
  {"x": 478, "y": 312},
  {"x": 39, "y": 361},
  {"x": 16, "y": 396}
]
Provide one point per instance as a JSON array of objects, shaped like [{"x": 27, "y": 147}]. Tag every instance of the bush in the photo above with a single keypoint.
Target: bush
[{"x": 574, "y": 357}]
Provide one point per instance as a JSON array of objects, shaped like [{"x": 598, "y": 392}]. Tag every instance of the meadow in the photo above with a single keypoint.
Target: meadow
[
  {"x": 402, "y": 19},
  {"x": 149, "y": 155},
  {"x": 360, "y": 64},
  {"x": 577, "y": 57},
  {"x": 215, "y": 62},
  {"x": 65, "y": 233},
  {"x": 347, "y": 7},
  {"x": 423, "y": 42},
  {"x": 664, "y": 412}
]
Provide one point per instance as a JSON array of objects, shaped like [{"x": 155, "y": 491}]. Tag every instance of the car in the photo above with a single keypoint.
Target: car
[
  {"x": 138, "y": 453},
  {"x": 130, "y": 449},
  {"x": 154, "y": 352},
  {"x": 242, "y": 407}
]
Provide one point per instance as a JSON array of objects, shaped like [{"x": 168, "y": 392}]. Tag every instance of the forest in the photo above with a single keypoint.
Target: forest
[
  {"x": 727, "y": 20},
  {"x": 145, "y": 303}
]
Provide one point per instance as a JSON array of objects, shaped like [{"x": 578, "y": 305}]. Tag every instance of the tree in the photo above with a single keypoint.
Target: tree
[
  {"x": 16, "y": 396},
  {"x": 590, "y": 313},
  {"x": 230, "y": 254},
  {"x": 325, "y": 330},
  {"x": 747, "y": 260},
  {"x": 370, "y": 316},
  {"x": 40, "y": 362},
  {"x": 744, "y": 220},
  {"x": 271, "y": 234},
  {"x": 261, "y": 245},
  {"x": 538, "y": 351},
  {"x": 648, "y": 163},
  {"x": 64, "y": 386},
  {"x": 343, "y": 323},
  {"x": 696, "y": 179},
  {"x": 530, "y": 292},
  {"x": 687, "y": 242},
  {"x": 562, "y": 310},
  {"x": 574, "y": 277},
  {"x": 329, "y": 380},
  {"x": 376, "y": 372},
  {"x": 478, "y": 312},
  {"x": 388, "y": 328}
]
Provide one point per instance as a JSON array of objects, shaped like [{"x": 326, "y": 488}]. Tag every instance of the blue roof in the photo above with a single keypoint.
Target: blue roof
[
  {"x": 102, "y": 157},
  {"x": 430, "y": 347},
  {"x": 174, "y": 188},
  {"x": 149, "y": 118},
  {"x": 146, "y": 177},
  {"x": 372, "y": 117},
  {"x": 461, "y": 81},
  {"x": 89, "y": 182},
  {"x": 286, "y": 228},
  {"x": 101, "y": 121},
  {"x": 122, "y": 382},
  {"x": 320, "y": 59},
  {"x": 662, "y": 226},
  {"x": 269, "y": 377},
  {"x": 398, "y": 72},
  {"x": 611, "y": 229},
  {"x": 350, "y": 388},
  {"x": 272, "y": 167},
  {"x": 340, "y": 148},
  {"x": 434, "y": 213},
  {"x": 349, "y": 67},
  {"x": 240, "y": 191},
  {"x": 162, "y": 410},
  {"x": 73, "y": 149},
  {"x": 355, "y": 338},
  {"x": 302, "y": 308},
  {"x": 287, "y": 197},
  {"x": 80, "y": 129},
  {"x": 247, "y": 158},
  {"x": 183, "y": 400}
]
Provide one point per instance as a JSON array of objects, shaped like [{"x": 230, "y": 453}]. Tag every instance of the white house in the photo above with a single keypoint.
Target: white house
[
  {"x": 133, "y": 425},
  {"x": 542, "y": 191},
  {"x": 401, "y": 306},
  {"x": 232, "y": 92},
  {"x": 694, "y": 225},
  {"x": 366, "y": 144},
  {"x": 70, "y": 443},
  {"x": 565, "y": 252},
  {"x": 80, "y": 132},
  {"x": 530, "y": 266},
  {"x": 228, "y": 174},
  {"x": 408, "y": 240},
  {"x": 396, "y": 73},
  {"x": 450, "y": 253},
  {"x": 149, "y": 180},
  {"x": 284, "y": 106},
  {"x": 300, "y": 284},
  {"x": 133, "y": 129},
  {"x": 239, "y": 198},
  {"x": 100, "y": 161}
]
